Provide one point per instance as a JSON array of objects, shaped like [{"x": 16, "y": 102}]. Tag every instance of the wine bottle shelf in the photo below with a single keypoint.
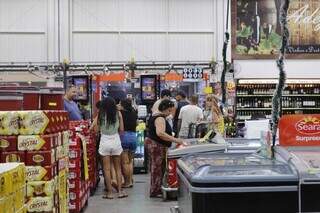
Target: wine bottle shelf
[
  {"x": 305, "y": 108},
  {"x": 271, "y": 95}
]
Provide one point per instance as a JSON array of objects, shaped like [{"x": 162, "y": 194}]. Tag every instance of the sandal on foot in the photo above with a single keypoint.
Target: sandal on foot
[
  {"x": 110, "y": 197},
  {"x": 122, "y": 195}
]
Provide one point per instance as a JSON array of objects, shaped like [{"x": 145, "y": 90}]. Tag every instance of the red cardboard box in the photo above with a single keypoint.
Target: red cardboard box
[
  {"x": 75, "y": 143},
  {"x": 41, "y": 173},
  {"x": 8, "y": 143},
  {"x": 75, "y": 206},
  {"x": 75, "y": 164},
  {"x": 74, "y": 184},
  {"x": 75, "y": 153},
  {"x": 36, "y": 142},
  {"x": 51, "y": 100},
  {"x": 74, "y": 174},
  {"x": 41, "y": 158},
  {"x": 16, "y": 156}
]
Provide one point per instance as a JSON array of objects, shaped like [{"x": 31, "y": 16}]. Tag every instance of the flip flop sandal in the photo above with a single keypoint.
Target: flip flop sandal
[
  {"x": 122, "y": 195},
  {"x": 110, "y": 197}
]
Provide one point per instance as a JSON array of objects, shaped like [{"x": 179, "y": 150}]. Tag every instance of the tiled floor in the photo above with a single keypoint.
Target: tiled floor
[{"x": 137, "y": 202}]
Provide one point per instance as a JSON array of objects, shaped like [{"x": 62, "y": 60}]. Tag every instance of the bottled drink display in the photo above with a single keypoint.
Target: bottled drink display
[{"x": 255, "y": 100}]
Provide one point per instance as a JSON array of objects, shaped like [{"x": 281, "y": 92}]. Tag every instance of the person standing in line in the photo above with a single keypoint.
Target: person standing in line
[
  {"x": 128, "y": 140},
  {"x": 159, "y": 139},
  {"x": 181, "y": 102},
  {"x": 165, "y": 95},
  {"x": 70, "y": 106},
  {"x": 189, "y": 114},
  {"x": 110, "y": 123}
]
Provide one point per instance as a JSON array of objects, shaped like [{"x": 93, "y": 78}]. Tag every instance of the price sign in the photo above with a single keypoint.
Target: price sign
[{"x": 192, "y": 72}]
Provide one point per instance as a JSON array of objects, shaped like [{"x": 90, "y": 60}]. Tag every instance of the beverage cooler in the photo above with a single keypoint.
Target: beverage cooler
[
  {"x": 235, "y": 182},
  {"x": 307, "y": 162}
]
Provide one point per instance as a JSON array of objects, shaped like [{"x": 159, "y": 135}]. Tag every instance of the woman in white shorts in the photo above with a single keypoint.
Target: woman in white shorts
[{"x": 110, "y": 123}]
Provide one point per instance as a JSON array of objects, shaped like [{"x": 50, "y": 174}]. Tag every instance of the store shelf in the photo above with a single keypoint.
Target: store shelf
[
  {"x": 289, "y": 95},
  {"x": 247, "y": 109},
  {"x": 304, "y": 108}
]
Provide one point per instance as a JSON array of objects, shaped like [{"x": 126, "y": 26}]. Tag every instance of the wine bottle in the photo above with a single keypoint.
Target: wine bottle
[{"x": 256, "y": 25}]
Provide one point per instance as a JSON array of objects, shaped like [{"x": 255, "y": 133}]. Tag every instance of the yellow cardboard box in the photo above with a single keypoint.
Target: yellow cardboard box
[
  {"x": 63, "y": 184},
  {"x": 6, "y": 204},
  {"x": 40, "y": 204},
  {"x": 19, "y": 198},
  {"x": 40, "y": 188},
  {"x": 12, "y": 178}
]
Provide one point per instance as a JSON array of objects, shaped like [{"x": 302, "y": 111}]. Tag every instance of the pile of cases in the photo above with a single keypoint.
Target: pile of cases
[
  {"x": 82, "y": 157},
  {"x": 40, "y": 139}
]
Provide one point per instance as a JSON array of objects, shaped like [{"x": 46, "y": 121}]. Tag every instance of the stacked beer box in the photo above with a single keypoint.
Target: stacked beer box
[
  {"x": 12, "y": 188},
  {"x": 40, "y": 140},
  {"x": 78, "y": 183}
]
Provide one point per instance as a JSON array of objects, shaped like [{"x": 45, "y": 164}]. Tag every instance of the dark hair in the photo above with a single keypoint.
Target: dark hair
[
  {"x": 108, "y": 111},
  {"x": 98, "y": 104},
  {"x": 165, "y": 104},
  {"x": 182, "y": 94},
  {"x": 165, "y": 92},
  {"x": 127, "y": 105},
  {"x": 194, "y": 99}
]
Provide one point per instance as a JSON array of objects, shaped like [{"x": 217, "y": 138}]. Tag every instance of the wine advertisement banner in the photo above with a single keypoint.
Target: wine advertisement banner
[{"x": 256, "y": 31}]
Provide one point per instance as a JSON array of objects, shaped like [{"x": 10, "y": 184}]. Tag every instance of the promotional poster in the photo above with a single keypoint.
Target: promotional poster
[
  {"x": 257, "y": 32},
  {"x": 300, "y": 130}
]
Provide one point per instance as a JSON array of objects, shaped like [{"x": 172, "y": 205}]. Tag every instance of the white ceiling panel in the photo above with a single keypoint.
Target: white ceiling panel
[
  {"x": 143, "y": 46},
  {"x": 95, "y": 15},
  {"x": 23, "y": 48},
  {"x": 197, "y": 47},
  {"x": 141, "y": 15},
  {"x": 191, "y": 15},
  {"x": 95, "y": 47},
  {"x": 23, "y": 15}
]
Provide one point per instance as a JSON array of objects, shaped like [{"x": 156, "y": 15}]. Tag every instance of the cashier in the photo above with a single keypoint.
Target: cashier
[{"x": 70, "y": 105}]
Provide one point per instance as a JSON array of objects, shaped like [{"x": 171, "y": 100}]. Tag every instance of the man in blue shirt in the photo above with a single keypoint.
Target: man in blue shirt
[{"x": 71, "y": 106}]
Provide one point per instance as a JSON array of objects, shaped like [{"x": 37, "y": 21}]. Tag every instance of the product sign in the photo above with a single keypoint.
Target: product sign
[
  {"x": 300, "y": 130},
  {"x": 192, "y": 72},
  {"x": 257, "y": 31}
]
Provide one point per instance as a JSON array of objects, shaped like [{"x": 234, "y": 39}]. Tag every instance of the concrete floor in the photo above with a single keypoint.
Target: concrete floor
[{"x": 137, "y": 202}]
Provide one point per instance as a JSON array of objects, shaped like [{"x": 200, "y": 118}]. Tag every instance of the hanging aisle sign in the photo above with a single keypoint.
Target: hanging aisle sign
[
  {"x": 192, "y": 72},
  {"x": 256, "y": 30},
  {"x": 300, "y": 130}
]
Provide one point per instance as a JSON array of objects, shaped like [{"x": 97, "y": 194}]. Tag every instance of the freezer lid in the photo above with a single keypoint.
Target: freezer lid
[
  {"x": 306, "y": 160},
  {"x": 243, "y": 144},
  {"x": 197, "y": 148},
  {"x": 234, "y": 168}
]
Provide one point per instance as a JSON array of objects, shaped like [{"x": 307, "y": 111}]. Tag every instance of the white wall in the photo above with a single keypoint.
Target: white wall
[
  {"x": 268, "y": 69},
  {"x": 111, "y": 30},
  {"x": 27, "y": 30}
]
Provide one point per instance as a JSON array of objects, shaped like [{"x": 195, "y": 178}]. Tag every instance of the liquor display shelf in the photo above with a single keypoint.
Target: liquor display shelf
[
  {"x": 305, "y": 108},
  {"x": 271, "y": 95},
  {"x": 254, "y": 98}
]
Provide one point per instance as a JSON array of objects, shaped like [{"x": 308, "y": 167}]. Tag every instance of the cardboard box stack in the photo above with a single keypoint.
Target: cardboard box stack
[
  {"x": 82, "y": 167},
  {"x": 12, "y": 188},
  {"x": 40, "y": 140}
]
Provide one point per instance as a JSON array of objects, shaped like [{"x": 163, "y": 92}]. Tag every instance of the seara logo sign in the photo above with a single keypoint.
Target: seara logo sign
[{"x": 308, "y": 126}]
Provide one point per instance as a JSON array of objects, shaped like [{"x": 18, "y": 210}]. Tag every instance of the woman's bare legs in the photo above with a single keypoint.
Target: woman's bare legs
[
  {"x": 107, "y": 173},
  {"x": 117, "y": 166}
]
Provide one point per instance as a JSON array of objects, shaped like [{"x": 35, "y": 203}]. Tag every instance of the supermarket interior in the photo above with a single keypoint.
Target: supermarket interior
[{"x": 177, "y": 106}]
